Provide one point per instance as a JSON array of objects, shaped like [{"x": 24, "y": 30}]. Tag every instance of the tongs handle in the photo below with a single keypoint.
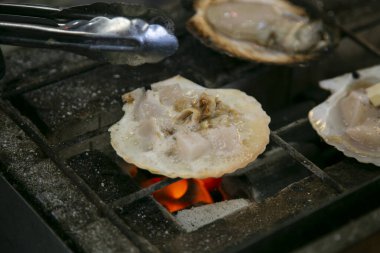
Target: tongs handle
[
  {"x": 45, "y": 33},
  {"x": 88, "y": 12},
  {"x": 37, "y": 25},
  {"x": 47, "y": 27},
  {"x": 29, "y": 10},
  {"x": 51, "y": 37},
  {"x": 28, "y": 14}
]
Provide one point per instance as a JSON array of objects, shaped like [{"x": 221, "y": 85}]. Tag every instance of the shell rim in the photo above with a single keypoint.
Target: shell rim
[
  {"x": 221, "y": 173},
  {"x": 338, "y": 145}
]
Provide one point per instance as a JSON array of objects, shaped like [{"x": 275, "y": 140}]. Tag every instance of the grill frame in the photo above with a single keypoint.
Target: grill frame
[{"x": 264, "y": 243}]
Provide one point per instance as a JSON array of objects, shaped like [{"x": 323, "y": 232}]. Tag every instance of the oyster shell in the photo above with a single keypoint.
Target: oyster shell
[
  {"x": 273, "y": 31},
  {"x": 347, "y": 120},
  {"x": 181, "y": 129}
]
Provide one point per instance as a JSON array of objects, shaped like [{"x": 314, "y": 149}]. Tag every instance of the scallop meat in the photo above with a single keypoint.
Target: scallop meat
[
  {"x": 349, "y": 120},
  {"x": 270, "y": 31}
]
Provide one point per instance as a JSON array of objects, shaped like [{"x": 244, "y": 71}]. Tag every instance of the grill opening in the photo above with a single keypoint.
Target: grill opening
[
  {"x": 184, "y": 193},
  {"x": 66, "y": 107}
]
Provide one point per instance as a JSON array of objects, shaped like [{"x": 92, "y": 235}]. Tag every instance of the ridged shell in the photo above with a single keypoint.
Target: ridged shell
[
  {"x": 327, "y": 120},
  {"x": 210, "y": 152}
]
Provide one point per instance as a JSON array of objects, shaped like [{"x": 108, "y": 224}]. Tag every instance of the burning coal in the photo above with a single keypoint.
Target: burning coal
[{"x": 184, "y": 193}]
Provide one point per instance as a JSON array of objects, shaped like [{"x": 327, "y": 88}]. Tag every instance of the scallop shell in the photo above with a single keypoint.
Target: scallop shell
[
  {"x": 202, "y": 28},
  {"x": 181, "y": 129},
  {"x": 327, "y": 117}
]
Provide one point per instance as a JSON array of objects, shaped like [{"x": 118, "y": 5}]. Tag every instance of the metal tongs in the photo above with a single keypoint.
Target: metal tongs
[{"x": 117, "y": 33}]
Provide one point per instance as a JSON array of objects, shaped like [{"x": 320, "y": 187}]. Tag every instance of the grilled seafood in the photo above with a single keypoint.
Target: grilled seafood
[
  {"x": 273, "y": 31},
  {"x": 348, "y": 120},
  {"x": 180, "y": 129}
]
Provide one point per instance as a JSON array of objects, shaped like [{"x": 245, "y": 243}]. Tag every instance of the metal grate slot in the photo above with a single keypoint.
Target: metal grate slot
[
  {"x": 307, "y": 163},
  {"x": 122, "y": 202}
]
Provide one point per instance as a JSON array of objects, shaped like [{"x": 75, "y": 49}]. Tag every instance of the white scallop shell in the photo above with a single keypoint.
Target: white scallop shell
[
  {"x": 139, "y": 137},
  {"x": 326, "y": 118}
]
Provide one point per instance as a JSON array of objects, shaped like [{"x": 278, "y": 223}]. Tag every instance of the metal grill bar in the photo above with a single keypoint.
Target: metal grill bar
[
  {"x": 360, "y": 41},
  {"x": 366, "y": 26},
  {"x": 51, "y": 80},
  {"x": 292, "y": 125},
  {"x": 307, "y": 163},
  {"x": 83, "y": 137},
  {"x": 33, "y": 133},
  {"x": 120, "y": 203}
]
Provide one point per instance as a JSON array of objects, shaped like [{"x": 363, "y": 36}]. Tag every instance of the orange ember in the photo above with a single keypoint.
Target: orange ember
[
  {"x": 173, "y": 191},
  {"x": 132, "y": 170},
  {"x": 185, "y": 193},
  {"x": 182, "y": 194}
]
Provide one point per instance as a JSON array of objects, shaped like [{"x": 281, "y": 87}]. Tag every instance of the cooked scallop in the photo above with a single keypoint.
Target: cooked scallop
[
  {"x": 273, "y": 31},
  {"x": 348, "y": 120},
  {"x": 181, "y": 129}
]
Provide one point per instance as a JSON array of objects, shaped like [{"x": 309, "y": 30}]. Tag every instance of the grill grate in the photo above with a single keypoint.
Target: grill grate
[
  {"x": 112, "y": 210},
  {"x": 120, "y": 203},
  {"x": 307, "y": 163},
  {"x": 31, "y": 131}
]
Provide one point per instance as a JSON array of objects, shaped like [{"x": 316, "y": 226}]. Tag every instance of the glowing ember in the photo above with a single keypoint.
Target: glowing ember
[
  {"x": 211, "y": 184},
  {"x": 182, "y": 194},
  {"x": 173, "y": 191},
  {"x": 133, "y": 170},
  {"x": 185, "y": 193}
]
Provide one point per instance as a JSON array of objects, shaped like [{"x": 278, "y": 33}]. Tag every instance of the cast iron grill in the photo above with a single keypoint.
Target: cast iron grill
[{"x": 38, "y": 103}]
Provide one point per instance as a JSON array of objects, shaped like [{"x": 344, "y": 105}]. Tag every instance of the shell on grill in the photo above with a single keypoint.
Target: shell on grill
[
  {"x": 181, "y": 129},
  {"x": 347, "y": 120},
  {"x": 272, "y": 31}
]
